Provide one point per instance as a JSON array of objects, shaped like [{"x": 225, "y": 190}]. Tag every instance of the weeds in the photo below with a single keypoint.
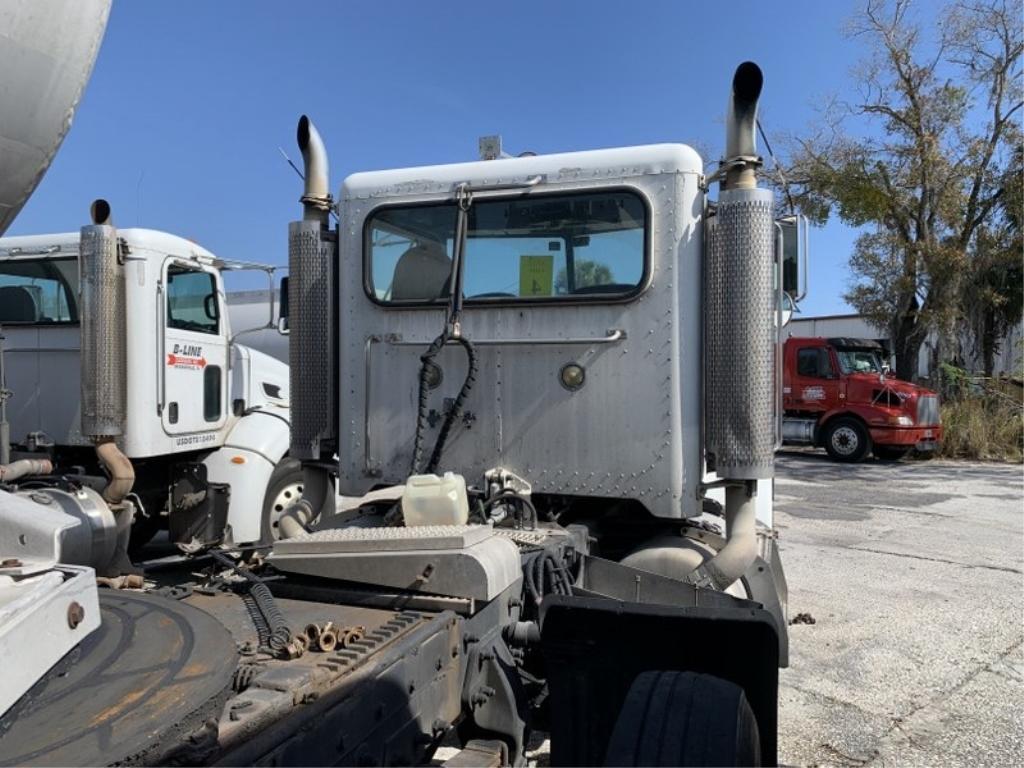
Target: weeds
[{"x": 981, "y": 418}]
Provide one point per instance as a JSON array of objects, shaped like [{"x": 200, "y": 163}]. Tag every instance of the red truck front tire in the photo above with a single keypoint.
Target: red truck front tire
[{"x": 847, "y": 439}]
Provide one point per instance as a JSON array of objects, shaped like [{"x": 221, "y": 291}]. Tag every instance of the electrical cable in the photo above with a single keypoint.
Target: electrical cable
[{"x": 782, "y": 175}]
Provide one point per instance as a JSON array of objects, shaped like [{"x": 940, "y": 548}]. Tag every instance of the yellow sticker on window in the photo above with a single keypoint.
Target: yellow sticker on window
[{"x": 536, "y": 275}]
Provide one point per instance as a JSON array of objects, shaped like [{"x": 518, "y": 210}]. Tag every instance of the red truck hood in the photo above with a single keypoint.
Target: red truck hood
[{"x": 885, "y": 392}]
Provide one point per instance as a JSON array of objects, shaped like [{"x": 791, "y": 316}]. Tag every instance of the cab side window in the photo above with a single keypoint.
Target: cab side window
[
  {"x": 192, "y": 300},
  {"x": 38, "y": 291},
  {"x": 814, "y": 362}
]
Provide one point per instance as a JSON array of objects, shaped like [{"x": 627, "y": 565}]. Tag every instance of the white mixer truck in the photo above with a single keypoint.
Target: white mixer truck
[{"x": 550, "y": 380}]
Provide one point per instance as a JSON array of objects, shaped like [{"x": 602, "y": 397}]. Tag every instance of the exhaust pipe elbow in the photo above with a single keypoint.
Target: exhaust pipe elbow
[
  {"x": 741, "y": 157},
  {"x": 697, "y": 563},
  {"x": 740, "y": 549},
  {"x": 119, "y": 466},
  {"x": 316, "y": 487},
  {"x": 316, "y": 197}
]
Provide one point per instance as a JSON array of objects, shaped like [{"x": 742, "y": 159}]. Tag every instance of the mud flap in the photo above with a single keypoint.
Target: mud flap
[
  {"x": 199, "y": 509},
  {"x": 595, "y": 647}
]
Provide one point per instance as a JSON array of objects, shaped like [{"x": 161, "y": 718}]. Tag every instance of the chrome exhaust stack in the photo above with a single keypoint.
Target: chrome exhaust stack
[
  {"x": 104, "y": 394},
  {"x": 316, "y": 197},
  {"x": 313, "y": 322},
  {"x": 741, "y": 158},
  {"x": 740, "y": 428},
  {"x": 103, "y": 366}
]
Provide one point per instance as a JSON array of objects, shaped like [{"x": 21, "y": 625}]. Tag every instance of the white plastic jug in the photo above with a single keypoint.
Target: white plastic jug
[{"x": 433, "y": 500}]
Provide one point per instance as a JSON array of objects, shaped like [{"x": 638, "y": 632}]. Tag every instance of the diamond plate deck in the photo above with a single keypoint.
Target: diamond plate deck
[{"x": 397, "y": 539}]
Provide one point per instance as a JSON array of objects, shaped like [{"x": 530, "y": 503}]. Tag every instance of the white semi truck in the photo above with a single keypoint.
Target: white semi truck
[
  {"x": 540, "y": 371},
  {"x": 120, "y": 362}
]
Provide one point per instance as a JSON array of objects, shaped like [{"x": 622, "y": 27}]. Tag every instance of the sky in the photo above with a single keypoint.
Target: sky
[{"x": 189, "y": 101}]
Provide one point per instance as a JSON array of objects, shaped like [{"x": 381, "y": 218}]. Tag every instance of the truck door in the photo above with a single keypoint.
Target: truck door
[
  {"x": 814, "y": 385},
  {"x": 194, "y": 351}
]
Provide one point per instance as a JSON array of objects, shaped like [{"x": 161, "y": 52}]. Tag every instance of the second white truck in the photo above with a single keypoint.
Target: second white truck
[{"x": 173, "y": 415}]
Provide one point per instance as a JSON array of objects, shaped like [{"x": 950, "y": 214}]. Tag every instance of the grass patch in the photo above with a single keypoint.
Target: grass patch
[{"x": 984, "y": 421}]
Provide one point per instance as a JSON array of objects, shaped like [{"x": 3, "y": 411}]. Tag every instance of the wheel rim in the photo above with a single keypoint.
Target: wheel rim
[
  {"x": 845, "y": 441},
  {"x": 287, "y": 496}
]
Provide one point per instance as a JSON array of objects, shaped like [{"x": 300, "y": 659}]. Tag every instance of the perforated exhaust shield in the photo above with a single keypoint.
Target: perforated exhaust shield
[
  {"x": 312, "y": 349},
  {"x": 739, "y": 351},
  {"x": 102, "y": 313}
]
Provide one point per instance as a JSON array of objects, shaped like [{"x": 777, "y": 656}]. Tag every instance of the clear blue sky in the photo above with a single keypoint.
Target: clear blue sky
[{"x": 189, "y": 101}]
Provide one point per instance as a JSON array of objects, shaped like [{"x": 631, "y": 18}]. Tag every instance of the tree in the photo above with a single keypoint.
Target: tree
[
  {"x": 929, "y": 174},
  {"x": 587, "y": 273},
  {"x": 994, "y": 291}
]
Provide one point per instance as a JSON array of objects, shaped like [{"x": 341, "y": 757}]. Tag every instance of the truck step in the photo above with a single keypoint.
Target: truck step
[{"x": 479, "y": 753}]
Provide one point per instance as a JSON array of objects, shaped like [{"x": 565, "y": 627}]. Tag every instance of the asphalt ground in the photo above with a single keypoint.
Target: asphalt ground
[{"x": 912, "y": 573}]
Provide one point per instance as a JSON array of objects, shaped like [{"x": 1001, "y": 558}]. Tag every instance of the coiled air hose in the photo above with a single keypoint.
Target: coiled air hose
[
  {"x": 426, "y": 360},
  {"x": 280, "y": 635}
]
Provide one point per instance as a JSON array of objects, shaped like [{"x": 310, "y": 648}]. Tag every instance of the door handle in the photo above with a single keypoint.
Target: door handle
[{"x": 611, "y": 336}]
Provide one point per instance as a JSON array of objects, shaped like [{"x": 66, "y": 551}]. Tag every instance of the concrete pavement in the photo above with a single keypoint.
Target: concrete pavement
[{"x": 913, "y": 574}]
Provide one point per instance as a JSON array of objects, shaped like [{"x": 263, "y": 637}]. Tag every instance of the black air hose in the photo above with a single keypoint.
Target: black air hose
[
  {"x": 528, "y": 511},
  {"x": 531, "y": 582},
  {"x": 449, "y": 420},
  {"x": 545, "y": 573},
  {"x": 456, "y": 409},
  {"x": 426, "y": 359}
]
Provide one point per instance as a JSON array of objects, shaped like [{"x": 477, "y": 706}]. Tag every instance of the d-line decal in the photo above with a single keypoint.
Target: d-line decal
[{"x": 189, "y": 356}]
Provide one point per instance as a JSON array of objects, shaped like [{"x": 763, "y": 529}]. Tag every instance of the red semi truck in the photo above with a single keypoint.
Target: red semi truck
[{"x": 838, "y": 394}]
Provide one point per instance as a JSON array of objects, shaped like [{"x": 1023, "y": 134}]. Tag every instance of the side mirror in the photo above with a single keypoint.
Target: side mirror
[
  {"x": 795, "y": 230},
  {"x": 282, "y": 315}
]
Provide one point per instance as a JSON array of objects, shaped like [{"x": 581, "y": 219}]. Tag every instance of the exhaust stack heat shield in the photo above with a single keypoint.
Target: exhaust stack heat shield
[
  {"x": 739, "y": 389},
  {"x": 103, "y": 333},
  {"x": 312, "y": 350}
]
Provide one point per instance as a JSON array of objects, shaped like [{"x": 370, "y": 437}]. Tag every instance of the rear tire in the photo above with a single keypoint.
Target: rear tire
[
  {"x": 283, "y": 490},
  {"x": 684, "y": 718},
  {"x": 890, "y": 453},
  {"x": 847, "y": 440}
]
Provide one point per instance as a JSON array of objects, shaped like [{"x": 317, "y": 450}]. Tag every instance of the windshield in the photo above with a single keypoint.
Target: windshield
[
  {"x": 38, "y": 291},
  {"x": 859, "y": 360},
  {"x": 547, "y": 247}
]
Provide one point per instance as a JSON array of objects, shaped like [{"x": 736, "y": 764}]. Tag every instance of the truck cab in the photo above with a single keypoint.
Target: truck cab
[
  {"x": 569, "y": 347},
  {"x": 192, "y": 402},
  {"x": 839, "y": 394}
]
